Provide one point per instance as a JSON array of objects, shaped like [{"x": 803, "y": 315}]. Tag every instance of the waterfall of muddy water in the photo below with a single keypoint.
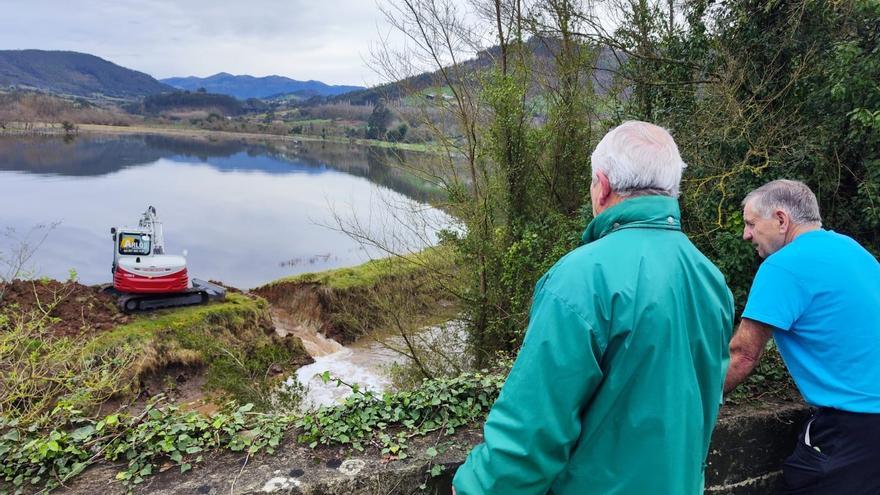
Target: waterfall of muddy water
[
  {"x": 314, "y": 342},
  {"x": 365, "y": 363}
]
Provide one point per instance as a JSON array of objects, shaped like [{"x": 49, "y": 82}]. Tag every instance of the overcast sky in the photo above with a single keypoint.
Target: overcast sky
[{"x": 326, "y": 40}]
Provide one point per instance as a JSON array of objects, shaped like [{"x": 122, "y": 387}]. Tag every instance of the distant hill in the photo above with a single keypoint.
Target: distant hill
[
  {"x": 606, "y": 64},
  {"x": 73, "y": 73},
  {"x": 244, "y": 87}
]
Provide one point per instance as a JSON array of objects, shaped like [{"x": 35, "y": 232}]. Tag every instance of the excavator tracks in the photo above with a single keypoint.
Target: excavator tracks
[{"x": 200, "y": 293}]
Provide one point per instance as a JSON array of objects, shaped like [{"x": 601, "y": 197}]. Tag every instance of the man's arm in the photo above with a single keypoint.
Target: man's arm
[
  {"x": 746, "y": 349},
  {"x": 536, "y": 421}
]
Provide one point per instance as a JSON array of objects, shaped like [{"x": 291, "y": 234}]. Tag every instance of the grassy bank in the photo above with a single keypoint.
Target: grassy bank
[
  {"x": 228, "y": 348},
  {"x": 233, "y": 344},
  {"x": 398, "y": 295}
]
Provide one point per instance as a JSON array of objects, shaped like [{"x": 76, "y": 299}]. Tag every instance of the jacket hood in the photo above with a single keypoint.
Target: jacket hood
[{"x": 652, "y": 212}]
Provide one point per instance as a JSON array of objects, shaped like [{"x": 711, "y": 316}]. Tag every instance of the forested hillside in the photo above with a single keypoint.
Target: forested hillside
[{"x": 72, "y": 73}]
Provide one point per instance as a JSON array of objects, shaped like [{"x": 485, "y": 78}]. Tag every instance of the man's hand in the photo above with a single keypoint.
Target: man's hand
[
  {"x": 453, "y": 490},
  {"x": 746, "y": 349}
]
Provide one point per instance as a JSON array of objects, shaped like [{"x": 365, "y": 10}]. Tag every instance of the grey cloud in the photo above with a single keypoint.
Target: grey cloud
[{"x": 304, "y": 39}]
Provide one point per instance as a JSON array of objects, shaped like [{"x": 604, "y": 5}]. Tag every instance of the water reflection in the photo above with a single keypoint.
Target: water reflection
[
  {"x": 101, "y": 155},
  {"x": 247, "y": 213}
]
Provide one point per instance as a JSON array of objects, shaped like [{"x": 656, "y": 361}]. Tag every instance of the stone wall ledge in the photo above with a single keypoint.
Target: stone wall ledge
[{"x": 745, "y": 456}]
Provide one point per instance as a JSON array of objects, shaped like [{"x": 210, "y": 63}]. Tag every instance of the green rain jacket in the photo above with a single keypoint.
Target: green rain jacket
[{"x": 619, "y": 379}]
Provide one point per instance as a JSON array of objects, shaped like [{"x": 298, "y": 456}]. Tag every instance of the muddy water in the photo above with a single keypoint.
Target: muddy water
[
  {"x": 366, "y": 362},
  {"x": 316, "y": 344}
]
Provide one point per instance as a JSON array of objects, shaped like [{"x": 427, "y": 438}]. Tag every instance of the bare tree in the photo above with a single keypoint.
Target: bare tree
[{"x": 19, "y": 251}]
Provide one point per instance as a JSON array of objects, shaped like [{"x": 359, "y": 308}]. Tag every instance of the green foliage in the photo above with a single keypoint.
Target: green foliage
[
  {"x": 377, "y": 124},
  {"x": 243, "y": 372},
  {"x": 755, "y": 91},
  {"x": 154, "y": 441},
  {"x": 387, "y": 421},
  {"x": 167, "y": 437},
  {"x": 536, "y": 181},
  {"x": 229, "y": 340},
  {"x": 398, "y": 134},
  {"x": 537, "y": 248},
  {"x": 509, "y": 143},
  {"x": 42, "y": 372}
]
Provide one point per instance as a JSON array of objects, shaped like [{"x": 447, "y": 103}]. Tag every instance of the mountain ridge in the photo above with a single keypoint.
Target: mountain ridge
[{"x": 246, "y": 86}]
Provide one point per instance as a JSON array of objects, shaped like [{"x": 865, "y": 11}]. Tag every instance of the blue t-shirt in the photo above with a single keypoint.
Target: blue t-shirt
[{"x": 822, "y": 293}]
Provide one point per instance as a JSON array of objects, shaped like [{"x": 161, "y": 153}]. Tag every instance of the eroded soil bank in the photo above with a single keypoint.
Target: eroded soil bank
[
  {"x": 71, "y": 308},
  {"x": 200, "y": 355}
]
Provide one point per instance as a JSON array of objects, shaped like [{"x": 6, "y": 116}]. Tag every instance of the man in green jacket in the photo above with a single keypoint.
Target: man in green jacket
[{"x": 619, "y": 379}]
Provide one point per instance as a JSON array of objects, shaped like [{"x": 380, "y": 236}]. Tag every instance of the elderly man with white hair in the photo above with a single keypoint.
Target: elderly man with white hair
[
  {"x": 818, "y": 294},
  {"x": 619, "y": 379}
]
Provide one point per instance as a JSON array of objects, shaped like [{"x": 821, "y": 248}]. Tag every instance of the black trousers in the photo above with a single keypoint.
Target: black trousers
[{"x": 838, "y": 453}]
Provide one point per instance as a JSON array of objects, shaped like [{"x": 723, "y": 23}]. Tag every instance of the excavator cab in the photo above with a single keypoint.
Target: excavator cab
[{"x": 135, "y": 243}]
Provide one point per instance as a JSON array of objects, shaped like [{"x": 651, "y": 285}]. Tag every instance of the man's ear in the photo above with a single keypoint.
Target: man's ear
[
  {"x": 782, "y": 220},
  {"x": 604, "y": 187}
]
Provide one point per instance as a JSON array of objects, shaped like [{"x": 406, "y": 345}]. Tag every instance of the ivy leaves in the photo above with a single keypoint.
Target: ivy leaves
[
  {"x": 155, "y": 441},
  {"x": 167, "y": 437},
  {"x": 387, "y": 421}
]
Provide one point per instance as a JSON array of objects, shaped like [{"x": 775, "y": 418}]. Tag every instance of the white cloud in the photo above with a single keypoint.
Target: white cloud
[{"x": 326, "y": 40}]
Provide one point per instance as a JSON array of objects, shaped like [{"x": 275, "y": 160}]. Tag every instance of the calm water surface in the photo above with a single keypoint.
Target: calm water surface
[{"x": 245, "y": 213}]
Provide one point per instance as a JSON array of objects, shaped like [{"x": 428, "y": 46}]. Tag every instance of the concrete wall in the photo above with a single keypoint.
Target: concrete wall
[
  {"x": 747, "y": 450},
  {"x": 744, "y": 459}
]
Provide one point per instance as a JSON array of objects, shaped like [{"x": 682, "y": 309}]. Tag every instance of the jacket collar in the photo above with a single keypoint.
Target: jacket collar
[{"x": 647, "y": 212}]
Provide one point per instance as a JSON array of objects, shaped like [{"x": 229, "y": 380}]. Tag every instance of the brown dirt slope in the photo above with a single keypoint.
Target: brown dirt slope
[{"x": 70, "y": 307}]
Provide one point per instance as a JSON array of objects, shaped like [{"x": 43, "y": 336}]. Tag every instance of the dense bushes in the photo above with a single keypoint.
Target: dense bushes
[{"x": 752, "y": 91}]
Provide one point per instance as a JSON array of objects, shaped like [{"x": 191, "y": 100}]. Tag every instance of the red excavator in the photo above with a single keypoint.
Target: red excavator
[{"x": 145, "y": 278}]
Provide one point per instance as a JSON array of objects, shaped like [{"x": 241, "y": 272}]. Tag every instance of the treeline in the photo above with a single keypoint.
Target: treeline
[
  {"x": 30, "y": 107},
  {"x": 200, "y": 100},
  {"x": 752, "y": 91}
]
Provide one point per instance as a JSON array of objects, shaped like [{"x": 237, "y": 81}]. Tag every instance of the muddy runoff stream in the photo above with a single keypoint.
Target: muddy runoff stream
[{"x": 366, "y": 362}]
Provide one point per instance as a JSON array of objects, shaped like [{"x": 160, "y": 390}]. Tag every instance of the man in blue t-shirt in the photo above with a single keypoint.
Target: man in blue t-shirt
[{"x": 817, "y": 293}]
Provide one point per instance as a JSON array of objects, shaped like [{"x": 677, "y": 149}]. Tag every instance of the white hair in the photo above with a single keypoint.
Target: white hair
[
  {"x": 639, "y": 158},
  {"x": 791, "y": 196}
]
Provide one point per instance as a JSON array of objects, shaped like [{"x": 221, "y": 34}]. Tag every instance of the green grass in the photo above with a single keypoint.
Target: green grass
[
  {"x": 148, "y": 325},
  {"x": 232, "y": 340},
  {"x": 365, "y": 275},
  {"x": 311, "y": 122},
  {"x": 232, "y": 343},
  {"x": 421, "y": 147},
  {"x": 368, "y": 274}
]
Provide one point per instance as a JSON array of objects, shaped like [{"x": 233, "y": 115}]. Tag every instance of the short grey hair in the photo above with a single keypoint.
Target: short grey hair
[
  {"x": 639, "y": 158},
  {"x": 791, "y": 196}
]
